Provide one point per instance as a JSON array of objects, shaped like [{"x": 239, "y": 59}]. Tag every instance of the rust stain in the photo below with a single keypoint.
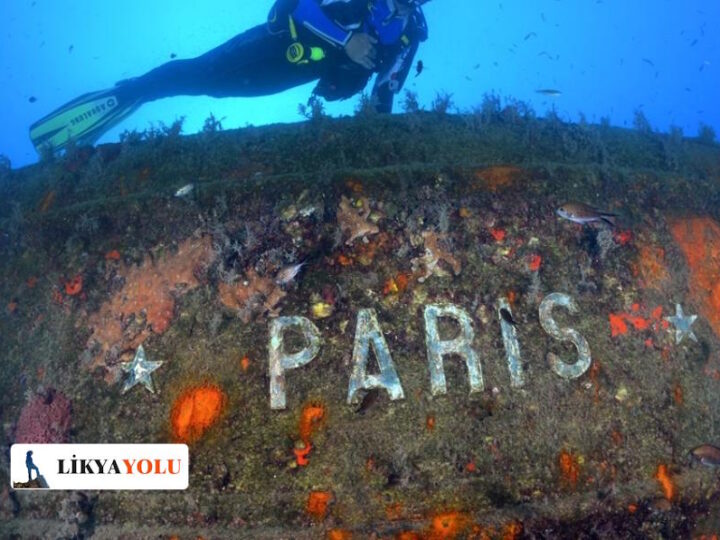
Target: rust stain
[
  {"x": 149, "y": 294},
  {"x": 623, "y": 237},
  {"x": 512, "y": 531},
  {"x": 244, "y": 363},
  {"x": 339, "y": 534},
  {"x": 344, "y": 260},
  {"x": 195, "y": 411},
  {"x": 619, "y": 321},
  {"x": 678, "y": 396},
  {"x": 498, "y": 234},
  {"x": 617, "y": 325},
  {"x": 397, "y": 284},
  {"x": 394, "y": 511},
  {"x": 317, "y": 504},
  {"x": 311, "y": 419},
  {"x": 569, "y": 468},
  {"x": 74, "y": 286},
  {"x": 534, "y": 262},
  {"x": 496, "y": 178},
  {"x": 663, "y": 476},
  {"x": 650, "y": 266},
  {"x": 447, "y": 525},
  {"x": 699, "y": 240},
  {"x": 301, "y": 451}
]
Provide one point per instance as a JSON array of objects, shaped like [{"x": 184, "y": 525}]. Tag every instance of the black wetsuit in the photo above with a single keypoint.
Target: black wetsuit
[{"x": 302, "y": 41}]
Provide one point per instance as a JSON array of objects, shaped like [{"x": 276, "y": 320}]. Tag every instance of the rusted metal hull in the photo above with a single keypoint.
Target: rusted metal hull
[{"x": 379, "y": 428}]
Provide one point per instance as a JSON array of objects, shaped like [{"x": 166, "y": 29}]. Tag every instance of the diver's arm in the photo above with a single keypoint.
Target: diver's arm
[
  {"x": 309, "y": 13},
  {"x": 391, "y": 79}
]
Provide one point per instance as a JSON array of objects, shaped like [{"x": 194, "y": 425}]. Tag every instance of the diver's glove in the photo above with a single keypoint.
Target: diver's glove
[{"x": 360, "y": 48}]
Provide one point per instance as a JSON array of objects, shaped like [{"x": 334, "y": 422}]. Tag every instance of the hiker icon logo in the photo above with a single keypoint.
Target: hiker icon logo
[{"x": 33, "y": 481}]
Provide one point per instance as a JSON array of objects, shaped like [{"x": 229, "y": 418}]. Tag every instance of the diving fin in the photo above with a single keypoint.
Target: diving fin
[{"x": 83, "y": 120}]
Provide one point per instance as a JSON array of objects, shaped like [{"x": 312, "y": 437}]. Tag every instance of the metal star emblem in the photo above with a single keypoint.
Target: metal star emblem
[
  {"x": 140, "y": 369},
  {"x": 682, "y": 324}
]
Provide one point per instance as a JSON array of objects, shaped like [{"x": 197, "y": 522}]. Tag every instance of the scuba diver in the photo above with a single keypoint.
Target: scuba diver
[{"x": 339, "y": 43}]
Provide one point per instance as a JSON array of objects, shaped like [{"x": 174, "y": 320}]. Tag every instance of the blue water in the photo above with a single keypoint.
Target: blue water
[{"x": 609, "y": 58}]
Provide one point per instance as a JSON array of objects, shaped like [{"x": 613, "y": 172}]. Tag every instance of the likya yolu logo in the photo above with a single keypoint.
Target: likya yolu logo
[
  {"x": 99, "y": 466},
  {"x": 113, "y": 466}
]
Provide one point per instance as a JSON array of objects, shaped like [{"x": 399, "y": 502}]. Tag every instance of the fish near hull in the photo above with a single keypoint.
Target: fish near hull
[
  {"x": 583, "y": 214},
  {"x": 706, "y": 454}
]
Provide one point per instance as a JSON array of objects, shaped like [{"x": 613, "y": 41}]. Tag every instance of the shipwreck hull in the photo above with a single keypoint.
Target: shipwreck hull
[{"x": 390, "y": 215}]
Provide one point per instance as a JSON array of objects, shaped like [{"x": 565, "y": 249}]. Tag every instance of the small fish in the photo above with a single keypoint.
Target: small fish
[
  {"x": 173, "y": 55},
  {"x": 648, "y": 62},
  {"x": 583, "y": 213},
  {"x": 185, "y": 190},
  {"x": 419, "y": 67},
  {"x": 507, "y": 316},
  {"x": 32, "y": 99},
  {"x": 549, "y": 92},
  {"x": 70, "y": 48},
  {"x": 531, "y": 34},
  {"x": 706, "y": 454},
  {"x": 287, "y": 274}
]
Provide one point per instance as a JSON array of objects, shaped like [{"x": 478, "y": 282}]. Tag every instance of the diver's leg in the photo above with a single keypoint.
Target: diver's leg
[
  {"x": 250, "y": 64},
  {"x": 253, "y": 63}
]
